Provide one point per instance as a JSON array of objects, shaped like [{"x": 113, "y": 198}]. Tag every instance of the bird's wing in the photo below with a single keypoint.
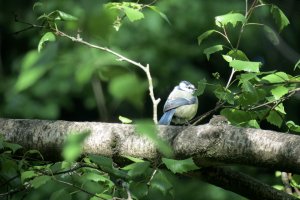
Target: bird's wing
[
  {"x": 175, "y": 103},
  {"x": 167, "y": 117}
]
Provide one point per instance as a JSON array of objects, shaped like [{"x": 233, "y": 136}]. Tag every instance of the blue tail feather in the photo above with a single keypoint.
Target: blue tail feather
[{"x": 167, "y": 117}]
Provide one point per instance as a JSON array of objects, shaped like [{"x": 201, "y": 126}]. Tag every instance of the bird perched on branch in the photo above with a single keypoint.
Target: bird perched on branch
[{"x": 181, "y": 105}]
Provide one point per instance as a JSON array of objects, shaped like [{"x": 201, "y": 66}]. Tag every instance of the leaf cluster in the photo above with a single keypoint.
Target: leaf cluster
[
  {"x": 251, "y": 95},
  {"x": 29, "y": 176}
]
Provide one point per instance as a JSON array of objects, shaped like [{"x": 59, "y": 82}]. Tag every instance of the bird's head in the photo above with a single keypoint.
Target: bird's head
[{"x": 187, "y": 86}]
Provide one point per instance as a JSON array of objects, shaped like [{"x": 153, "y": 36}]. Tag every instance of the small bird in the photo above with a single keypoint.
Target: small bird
[{"x": 181, "y": 105}]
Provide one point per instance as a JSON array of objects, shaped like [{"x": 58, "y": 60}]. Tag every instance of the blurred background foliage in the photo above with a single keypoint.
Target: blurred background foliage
[{"x": 69, "y": 81}]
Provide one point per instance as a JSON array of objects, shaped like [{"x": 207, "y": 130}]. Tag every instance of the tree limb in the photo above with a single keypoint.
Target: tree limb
[{"x": 208, "y": 144}]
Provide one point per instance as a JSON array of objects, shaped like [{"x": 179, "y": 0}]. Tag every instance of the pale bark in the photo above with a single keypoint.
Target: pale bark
[{"x": 207, "y": 144}]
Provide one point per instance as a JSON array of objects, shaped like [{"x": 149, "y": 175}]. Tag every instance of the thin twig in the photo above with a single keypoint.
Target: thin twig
[
  {"x": 226, "y": 37},
  {"x": 146, "y": 68},
  {"x": 207, "y": 114},
  {"x": 254, "y": 24},
  {"x": 261, "y": 5},
  {"x": 277, "y": 101},
  {"x": 154, "y": 172},
  {"x": 79, "y": 188},
  {"x": 247, "y": 15},
  {"x": 9, "y": 180},
  {"x": 230, "y": 78},
  {"x": 246, "y": 10}
]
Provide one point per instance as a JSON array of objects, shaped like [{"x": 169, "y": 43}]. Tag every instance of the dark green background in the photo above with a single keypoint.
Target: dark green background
[{"x": 65, "y": 90}]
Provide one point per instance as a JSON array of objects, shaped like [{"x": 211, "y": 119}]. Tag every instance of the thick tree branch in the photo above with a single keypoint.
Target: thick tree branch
[{"x": 208, "y": 144}]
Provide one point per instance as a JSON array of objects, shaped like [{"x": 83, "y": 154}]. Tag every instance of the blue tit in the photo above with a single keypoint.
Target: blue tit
[{"x": 181, "y": 105}]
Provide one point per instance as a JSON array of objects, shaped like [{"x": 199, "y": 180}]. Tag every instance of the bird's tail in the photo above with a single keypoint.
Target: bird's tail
[{"x": 167, "y": 117}]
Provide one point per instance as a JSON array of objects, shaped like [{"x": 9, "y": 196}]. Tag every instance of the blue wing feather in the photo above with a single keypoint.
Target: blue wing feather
[
  {"x": 167, "y": 117},
  {"x": 175, "y": 103}
]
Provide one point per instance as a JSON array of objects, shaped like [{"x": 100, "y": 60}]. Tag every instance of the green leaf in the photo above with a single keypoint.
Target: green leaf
[
  {"x": 61, "y": 194},
  {"x": 253, "y": 124},
  {"x": 247, "y": 77},
  {"x": 275, "y": 118},
  {"x": 280, "y": 18},
  {"x": 292, "y": 126},
  {"x": 121, "y": 88},
  {"x": 61, "y": 16},
  {"x": 278, "y": 187},
  {"x": 296, "y": 179},
  {"x": 237, "y": 55},
  {"x": 138, "y": 189},
  {"x": 29, "y": 76},
  {"x": 224, "y": 94},
  {"x": 133, "y": 14},
  {"x": 66, "y": 17},
  {"x": 279, "y": 92},
  {"x": 205, "y": 35},
  {"x": 137, "y": 169},
  {"x": 66, "y": 165},
  {"x": 12, "y": 146},
  {"x": 102, "y": 161},
  {"x": 210, "y": 50},
  {"x": 133, "y": 159},
  {"x": 232, "y": 18},
  {"x": 102, "y": 196},
  {"x": 180, "y": 166},
  {"x": 37, "y": 4},
  {"x": 248, "y": 98},
  {"x": 161, "y": 183},
  {"x": 297, "y": 65},
  {"x": 227, "y": 58},
  {"x": 155, "y": 9},
  {"x": 73, "y": 146},
  {"x": 97, "y": 177},
  {"x": 271, "y": 35},
  {"x": 278, "y": 174},
  {"x": 237, "y": 117},
  {"x": 34, "y": 66},
  {"x": 148, "y": 129},
  {"x": 28, "y": 175},
  {"x": 125, "y": 120},
  {"x": 106, "y": 164},
  {"x": 277, "y": 77},
  {"x": 247, "y": 66},
  {"x": 247, "y": 86},
  {"x": 39, "y": 181},
  {"x": 47, "y": 37},
  {"x": 71, "y": 152},
  {"x": 201, "y": 87},
  {"x": 280, "y": 108}
]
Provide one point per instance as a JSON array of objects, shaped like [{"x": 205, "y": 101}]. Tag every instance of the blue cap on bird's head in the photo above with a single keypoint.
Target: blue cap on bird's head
[{"x": 187, "y": 86}]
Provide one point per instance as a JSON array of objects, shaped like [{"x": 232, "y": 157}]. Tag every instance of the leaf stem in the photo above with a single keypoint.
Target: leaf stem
[
  {"x": 226, "y": 37},
  {"x": 230, "y": 78}
]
